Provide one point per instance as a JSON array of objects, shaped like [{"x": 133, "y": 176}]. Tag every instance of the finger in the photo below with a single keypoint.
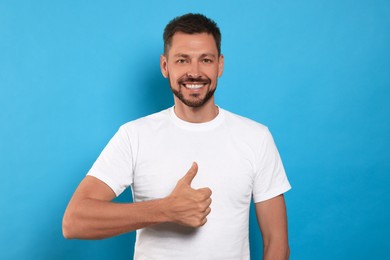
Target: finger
[
  {"x": 203, "y": 206},
  {"x": 208, "y": 201},
  {"x": 204, "y": 219},
  {"x": 203, "y": 222},
  {"x": 207, "y": 211},
  {"x": 190, "y": 175},
  {"x": 206, "y": 192},
  {"x": 199, "y": 222}
]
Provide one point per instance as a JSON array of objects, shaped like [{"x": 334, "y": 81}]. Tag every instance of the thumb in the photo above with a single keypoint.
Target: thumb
[{"x": 187, "y": 179}]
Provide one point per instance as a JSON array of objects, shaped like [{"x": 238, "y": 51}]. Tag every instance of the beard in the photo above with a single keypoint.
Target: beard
[{"x": 196, "y": 100}]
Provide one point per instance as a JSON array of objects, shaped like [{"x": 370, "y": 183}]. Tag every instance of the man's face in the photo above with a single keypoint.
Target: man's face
[{"x": 192, "y": 66}]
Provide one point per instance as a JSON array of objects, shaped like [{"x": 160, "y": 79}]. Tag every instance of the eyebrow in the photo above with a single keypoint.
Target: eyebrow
[{"x": 182, "y": 55}]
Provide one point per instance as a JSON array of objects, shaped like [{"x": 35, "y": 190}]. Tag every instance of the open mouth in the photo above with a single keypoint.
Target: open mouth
[
  {"x": 191, "y": 83},
  {"x": 194, "y": 86}
]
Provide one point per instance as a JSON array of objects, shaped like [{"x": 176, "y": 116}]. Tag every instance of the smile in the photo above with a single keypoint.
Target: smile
[{"x": 193, "y": 86}]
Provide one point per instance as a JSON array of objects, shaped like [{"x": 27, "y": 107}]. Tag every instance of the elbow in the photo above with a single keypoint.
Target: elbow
[
  {"x": 69, "y": 230},
  {"x": 276, "y": 251},
  {"x": 287, "y": 252},
  {"x": 284, "y": 252},
  {"x": 66, "y": 233},
  {"x": 285, "y": 248},
  {"x": 66, "y": 228}
]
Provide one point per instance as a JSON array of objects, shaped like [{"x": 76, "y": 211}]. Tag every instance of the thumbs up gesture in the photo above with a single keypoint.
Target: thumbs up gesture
[{"x": 188, "y": 206}]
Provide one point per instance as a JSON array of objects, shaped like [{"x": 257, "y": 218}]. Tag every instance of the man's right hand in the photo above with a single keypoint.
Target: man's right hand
[{"x": 188, "y": 206}]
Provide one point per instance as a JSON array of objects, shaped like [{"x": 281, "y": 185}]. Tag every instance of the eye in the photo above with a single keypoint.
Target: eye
[
  {"x": 206, "y": 60},
  {"x": 181, "y": 61}
]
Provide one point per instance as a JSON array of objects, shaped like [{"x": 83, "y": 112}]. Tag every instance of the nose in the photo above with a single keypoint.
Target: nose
[{"x": 194, "y": 70}]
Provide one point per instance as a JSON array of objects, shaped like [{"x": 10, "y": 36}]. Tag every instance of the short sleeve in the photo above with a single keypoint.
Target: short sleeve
[
  {"x": 270, "y": 179},
  {"x": 114, "y": 166}
]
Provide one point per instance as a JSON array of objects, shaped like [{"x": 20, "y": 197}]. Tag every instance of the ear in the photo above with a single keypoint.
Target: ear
[
  {"x": 221, "y": 64},
  {"x": 164, "y": 65}
]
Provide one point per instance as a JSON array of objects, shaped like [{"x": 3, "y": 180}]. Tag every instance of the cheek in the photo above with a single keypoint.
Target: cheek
[
  {"x": 173, "y": 78},
  {"x": 214, "y": 75},
  {"x": 174, "y": 73},
  {"x": 213, "y": 72},
  {"x": 172, "y": 82}
]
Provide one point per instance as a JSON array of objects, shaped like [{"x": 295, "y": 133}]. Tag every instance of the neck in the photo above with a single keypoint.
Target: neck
[{"x": 202, "y": 114}]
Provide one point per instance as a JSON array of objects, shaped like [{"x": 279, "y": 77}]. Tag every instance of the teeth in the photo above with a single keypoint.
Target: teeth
[{"x": 194, "y": 86}]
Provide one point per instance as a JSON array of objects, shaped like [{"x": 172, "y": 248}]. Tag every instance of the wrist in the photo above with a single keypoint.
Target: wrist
[{"x": 164, "y": 209}]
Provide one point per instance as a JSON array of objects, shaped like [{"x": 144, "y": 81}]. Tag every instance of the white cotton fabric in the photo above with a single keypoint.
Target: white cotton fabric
[{"x": 237, "y": 160}]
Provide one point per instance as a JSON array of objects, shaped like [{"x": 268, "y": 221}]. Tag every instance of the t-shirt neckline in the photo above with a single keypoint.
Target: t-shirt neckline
[{"x": 197, "y": 126}]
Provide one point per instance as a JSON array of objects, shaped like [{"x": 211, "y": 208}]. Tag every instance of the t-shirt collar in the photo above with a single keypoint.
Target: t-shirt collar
[{"x": 197, "y": 126}]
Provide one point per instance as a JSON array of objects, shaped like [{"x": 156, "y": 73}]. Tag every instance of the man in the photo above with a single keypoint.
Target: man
[{"x": 193, "y": 168}]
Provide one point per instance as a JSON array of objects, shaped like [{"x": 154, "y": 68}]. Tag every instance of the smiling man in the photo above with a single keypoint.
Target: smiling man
[
  {"x": 193, "y": 65},
  {"x": 193, "y": 168}
]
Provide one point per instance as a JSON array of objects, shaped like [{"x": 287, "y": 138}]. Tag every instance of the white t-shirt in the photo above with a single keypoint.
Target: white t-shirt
[{"x": 237, "y": 159}]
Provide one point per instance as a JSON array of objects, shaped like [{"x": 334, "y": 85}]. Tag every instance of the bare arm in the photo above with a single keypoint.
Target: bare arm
[
  {"x": 272, "y": 219},
  {"x": 91, "y": 214}
]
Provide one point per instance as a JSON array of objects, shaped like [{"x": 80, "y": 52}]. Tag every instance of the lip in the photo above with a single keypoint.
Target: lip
[{"x": 193, "y": 85}]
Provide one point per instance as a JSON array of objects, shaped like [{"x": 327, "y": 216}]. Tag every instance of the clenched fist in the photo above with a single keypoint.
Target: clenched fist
[{"x": 188, "y": 206}]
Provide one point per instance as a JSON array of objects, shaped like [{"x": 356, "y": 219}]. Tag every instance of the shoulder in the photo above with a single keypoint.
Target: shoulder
[
  {"x": 243, "y": 124},
  {"x": 151, "y": 122}
]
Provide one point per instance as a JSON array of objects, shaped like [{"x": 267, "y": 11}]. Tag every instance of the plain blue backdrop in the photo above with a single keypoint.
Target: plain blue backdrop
[{"x": 317, "y": 73}]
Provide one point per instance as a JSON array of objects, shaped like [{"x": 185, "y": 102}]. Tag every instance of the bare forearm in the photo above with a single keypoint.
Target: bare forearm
[
  {"x": 276, "y": 251},
  {"x": 96, "y": 219},
  {"x": 91, "y": 214}
]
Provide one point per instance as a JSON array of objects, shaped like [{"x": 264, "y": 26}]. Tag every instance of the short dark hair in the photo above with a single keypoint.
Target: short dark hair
[{"x": 191, "y": 24}]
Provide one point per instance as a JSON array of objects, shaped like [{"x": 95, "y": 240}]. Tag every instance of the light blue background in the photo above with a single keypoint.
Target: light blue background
[{"x": 316, "y": 72}]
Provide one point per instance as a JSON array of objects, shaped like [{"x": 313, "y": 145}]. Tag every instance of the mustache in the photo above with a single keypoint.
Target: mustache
[{"x": 186, "y": 79}]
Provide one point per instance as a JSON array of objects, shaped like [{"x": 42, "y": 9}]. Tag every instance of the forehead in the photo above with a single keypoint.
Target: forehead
[{"x": 193, "y": 44}]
